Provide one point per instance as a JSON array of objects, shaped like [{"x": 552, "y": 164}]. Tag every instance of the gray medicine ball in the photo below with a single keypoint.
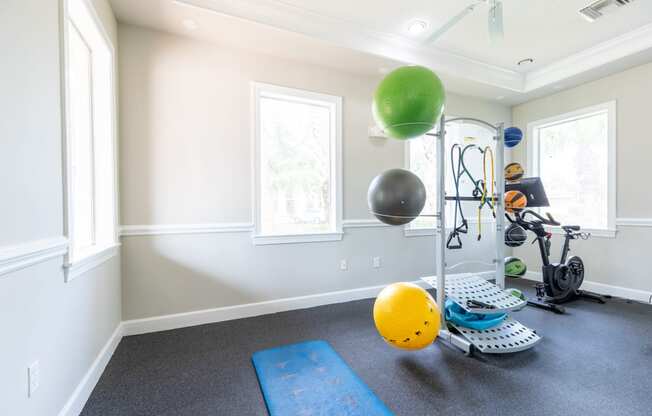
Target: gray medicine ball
[
  {"x": 396, "y": 196},
  {"x": 515, "y": 235}
]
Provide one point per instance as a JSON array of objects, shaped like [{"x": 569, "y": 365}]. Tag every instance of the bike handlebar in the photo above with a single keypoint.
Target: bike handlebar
[{"x": 548, "y": 221}]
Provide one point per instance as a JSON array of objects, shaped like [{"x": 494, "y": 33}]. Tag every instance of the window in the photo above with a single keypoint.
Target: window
[
  {"x": 297, "y": 165},
  {"x": 89, "y": 139},
  {"x": 421, "y": 154},
  {"x": 574, "y": 154},
  {"x": 421, "y": 158}
]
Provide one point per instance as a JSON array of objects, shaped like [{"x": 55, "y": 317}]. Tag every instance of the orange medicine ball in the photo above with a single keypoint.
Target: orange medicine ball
[{"x": 515, "y": 201}]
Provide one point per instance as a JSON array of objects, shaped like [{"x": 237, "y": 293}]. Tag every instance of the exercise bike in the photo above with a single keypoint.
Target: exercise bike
[{"x": 561, "y": 281}]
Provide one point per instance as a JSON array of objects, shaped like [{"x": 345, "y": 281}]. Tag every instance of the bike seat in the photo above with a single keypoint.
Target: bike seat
[{"x": 569, "y": 228}]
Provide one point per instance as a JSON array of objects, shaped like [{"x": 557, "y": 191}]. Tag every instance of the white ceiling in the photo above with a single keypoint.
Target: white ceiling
[
  {"x": 546, "y": 30},
  {"x": 363, "y": 36},
  {"x": 167, "y": 16}
]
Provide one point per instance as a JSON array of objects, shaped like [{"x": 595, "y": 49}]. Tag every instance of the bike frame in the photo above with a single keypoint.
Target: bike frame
[
  {"x": 544, "y": 248},
  {"x": 543, "y": 237}
]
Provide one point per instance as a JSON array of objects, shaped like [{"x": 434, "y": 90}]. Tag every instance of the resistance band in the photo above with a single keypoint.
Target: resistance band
[
  {"x": 483, "y": 200},
  {"x": 457, "y": 174}
]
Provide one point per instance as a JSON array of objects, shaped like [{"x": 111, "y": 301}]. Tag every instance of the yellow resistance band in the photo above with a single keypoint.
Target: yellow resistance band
[{"x": 483, "y": 200}]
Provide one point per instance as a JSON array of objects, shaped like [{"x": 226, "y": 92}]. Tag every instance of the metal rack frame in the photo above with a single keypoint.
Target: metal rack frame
[{"x": 466, "y": 339}]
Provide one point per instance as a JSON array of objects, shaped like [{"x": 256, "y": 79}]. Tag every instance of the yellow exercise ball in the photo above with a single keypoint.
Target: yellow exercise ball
[{"x": 406, "y": 316}]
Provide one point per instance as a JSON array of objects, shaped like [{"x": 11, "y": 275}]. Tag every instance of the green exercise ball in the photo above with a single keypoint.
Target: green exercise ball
[
  {"x": 515, "y": 267},
  {"x": 409, "y": 102}
]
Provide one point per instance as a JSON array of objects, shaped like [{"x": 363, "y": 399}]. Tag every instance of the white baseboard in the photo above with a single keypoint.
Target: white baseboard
[
  {"x": 604, "y": 289},
  {"x": 80, "y": 396},
  {"x": 77, "y": 400},
  {"x": 227, "y": 313}
]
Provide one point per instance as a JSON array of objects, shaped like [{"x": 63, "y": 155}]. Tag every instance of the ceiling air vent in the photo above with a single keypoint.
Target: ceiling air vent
[{"x": 597, "y": 9}]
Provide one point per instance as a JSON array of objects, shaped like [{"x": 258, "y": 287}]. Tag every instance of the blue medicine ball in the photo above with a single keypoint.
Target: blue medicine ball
[{"x": 513, "y": 136}]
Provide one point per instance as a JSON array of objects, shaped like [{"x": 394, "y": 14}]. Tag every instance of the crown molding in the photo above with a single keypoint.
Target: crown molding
[
  {"x": 592, "y": 63},
  {"x": 348, "y": 34},
  {"x": 628, "y": 44}
]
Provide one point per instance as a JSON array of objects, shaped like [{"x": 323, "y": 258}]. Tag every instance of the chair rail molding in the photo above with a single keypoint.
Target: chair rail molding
[
  {"x": 162, "y": 229},
  {"x": 19, "y": 256},
  {"x": 363, "y": 223},
  {"x": 634, "y": 222},
  {"x": 223, "y": 227}
]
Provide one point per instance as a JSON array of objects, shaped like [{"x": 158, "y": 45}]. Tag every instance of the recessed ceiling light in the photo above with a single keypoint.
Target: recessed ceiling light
[
  {"x": 525, "y": 61},
  {"x": 417, "y": 27},
  {"x": 189, "y": 24}
]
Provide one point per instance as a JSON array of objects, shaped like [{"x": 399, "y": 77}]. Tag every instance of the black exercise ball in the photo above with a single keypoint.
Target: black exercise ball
[
  {"x": 515, "y": 235},
  {"x": 396, "y": 196}
]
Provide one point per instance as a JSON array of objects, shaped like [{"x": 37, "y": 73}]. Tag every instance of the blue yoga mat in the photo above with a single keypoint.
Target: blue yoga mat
[{"x": 310, "y": 379}]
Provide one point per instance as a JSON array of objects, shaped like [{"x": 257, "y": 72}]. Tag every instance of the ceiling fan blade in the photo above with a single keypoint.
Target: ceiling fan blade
[
  {"x": 496, "y": 31},
  {"x": 455, "y": 20}
]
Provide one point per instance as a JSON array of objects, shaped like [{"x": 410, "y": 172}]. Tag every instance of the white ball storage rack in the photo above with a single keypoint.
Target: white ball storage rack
[{"x": 510, "y": 336}]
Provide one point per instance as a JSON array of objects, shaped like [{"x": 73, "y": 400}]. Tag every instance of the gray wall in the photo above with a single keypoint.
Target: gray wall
[
  {"x": 62, "y": 325},
  {"x": 185, "y": 159},
  {"x": 616, "y": 261}
]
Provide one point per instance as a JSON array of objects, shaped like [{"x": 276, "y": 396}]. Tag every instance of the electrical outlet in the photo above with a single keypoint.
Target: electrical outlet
[
  {"x": 376, "y": 262},
  {"x": 33, "y": 378},
  {"x": 344, "y": 265}
]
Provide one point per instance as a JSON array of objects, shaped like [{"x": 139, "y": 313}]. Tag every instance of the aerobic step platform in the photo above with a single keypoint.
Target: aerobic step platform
[
  {"x": 467, "y": 286},
  {"x": 510, "y": 336}
]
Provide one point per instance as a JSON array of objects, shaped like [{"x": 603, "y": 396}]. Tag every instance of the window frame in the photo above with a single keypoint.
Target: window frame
[
  {"x": 76, "y": 264},
  {"x": 258, "y": 90},
  {"x": 533, "y": 157}
]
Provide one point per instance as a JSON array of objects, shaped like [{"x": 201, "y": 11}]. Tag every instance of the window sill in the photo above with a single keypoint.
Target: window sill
[
  {"x": 90, "y": 261},
  {"x": 601, "y": 233},
  {"x": 261, "y": 240}
]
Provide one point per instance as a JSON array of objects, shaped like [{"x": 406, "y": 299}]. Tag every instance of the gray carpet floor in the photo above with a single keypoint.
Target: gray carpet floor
[{"x": 595, "y": 360}]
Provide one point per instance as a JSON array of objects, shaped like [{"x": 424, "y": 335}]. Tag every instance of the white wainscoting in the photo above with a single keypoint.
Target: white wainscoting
[
  {"x": 604, "y": 289},
  {"x": 19, "y": 256}
]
